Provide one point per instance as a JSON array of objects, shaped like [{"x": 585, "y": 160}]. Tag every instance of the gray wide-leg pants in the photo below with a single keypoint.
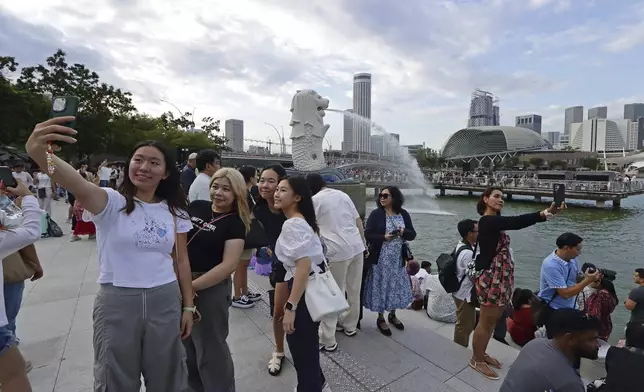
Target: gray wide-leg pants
[
  {"x": 138, "y": 332},
  {"x": 210, "y": 364}
]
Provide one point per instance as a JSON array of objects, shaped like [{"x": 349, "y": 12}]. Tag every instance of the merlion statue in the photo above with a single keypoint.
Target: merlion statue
[{"x": 308, "y": 130}]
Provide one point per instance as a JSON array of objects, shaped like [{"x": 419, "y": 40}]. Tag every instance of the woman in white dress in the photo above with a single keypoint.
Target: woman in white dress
[{"x": 298, "y": 248}]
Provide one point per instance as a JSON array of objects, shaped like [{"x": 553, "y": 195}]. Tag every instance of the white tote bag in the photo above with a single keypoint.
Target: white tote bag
[{"x": 323, "y": 295}]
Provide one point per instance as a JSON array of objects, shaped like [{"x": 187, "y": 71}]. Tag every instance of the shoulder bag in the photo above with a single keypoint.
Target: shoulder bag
[
  {"x": 323, "y": 296},
  {"x": 541, "y": 309},
  {"x": 18, "y": 266},
  {"x": 256, "y": 237}
]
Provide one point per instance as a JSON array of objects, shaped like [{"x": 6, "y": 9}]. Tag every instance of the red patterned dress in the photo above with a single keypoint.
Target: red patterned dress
[
  {"x": 495, "y": 285},
  {"x": 601, "y": 304},
  {"x": 82, "y": 228}
]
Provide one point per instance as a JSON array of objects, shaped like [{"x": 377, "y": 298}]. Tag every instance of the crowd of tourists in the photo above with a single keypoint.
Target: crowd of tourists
[{"x": 174, "y": 244}]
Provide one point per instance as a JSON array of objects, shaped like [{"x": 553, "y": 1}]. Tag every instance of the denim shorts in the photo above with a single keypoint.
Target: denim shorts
[{"x": 7, "y": 340}]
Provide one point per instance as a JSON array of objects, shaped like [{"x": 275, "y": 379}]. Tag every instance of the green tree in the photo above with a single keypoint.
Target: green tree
[
  {"x": 20, "y": 109},
  {"x": 537, "y": 162},
  {"x": 107, "y": 121},
  {"x": 558, "y": 165},
  {"x": 591, "y": 163},
  {"x": 429, "y": 158}
]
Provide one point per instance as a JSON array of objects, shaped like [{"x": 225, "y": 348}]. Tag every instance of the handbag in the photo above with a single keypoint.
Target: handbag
[
  {"x": 19, "y": 266},
  {"x": 323, "y": 295},
  {"x": 256, "y": 237},
  {"x": 407, "y": 255}
]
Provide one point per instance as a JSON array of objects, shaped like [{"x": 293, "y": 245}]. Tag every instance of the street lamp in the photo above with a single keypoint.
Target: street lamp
[
  {"x": 179, "y": 110},
  {"x": 279, "y": 137}
]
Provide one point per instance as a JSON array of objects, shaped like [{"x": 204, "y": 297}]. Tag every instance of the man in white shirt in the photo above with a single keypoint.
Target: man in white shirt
[
  {"x": 207, "y": 162},
  {"x": 465, "y": 310},
  {"x": 343, "y": 233},
  {"x": 104, "y": 174}
]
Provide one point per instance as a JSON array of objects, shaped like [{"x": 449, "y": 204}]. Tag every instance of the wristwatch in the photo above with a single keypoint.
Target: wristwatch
[
  {"x": 191, "y": 309},
  {"x": 290, "y": 307}
]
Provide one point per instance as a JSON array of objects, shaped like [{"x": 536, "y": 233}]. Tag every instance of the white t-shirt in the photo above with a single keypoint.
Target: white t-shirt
[
  {"x": 136, "y": 250},
  {"x": 464, "y": 258},
  {"x": 24, "y": 177},
  {"x": 336, "y": 215},
  {"x": 17, "y": 238},
  {"x": 104, "y": 174},
  {"x": 298, "y": 240},
  {"x": 200, "y": 188},
  {"x": 44, "y": 181}
]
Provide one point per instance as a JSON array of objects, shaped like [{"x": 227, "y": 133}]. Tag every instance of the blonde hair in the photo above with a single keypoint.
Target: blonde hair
[{"x": 240, "y": 191}]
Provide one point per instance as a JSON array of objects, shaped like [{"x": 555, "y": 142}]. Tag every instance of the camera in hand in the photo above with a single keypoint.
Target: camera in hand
[
  {"x": 607, "y": 274},
  {"x": 396, "y": 233}
]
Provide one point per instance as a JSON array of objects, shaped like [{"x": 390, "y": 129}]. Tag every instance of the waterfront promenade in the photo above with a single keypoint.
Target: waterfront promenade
[{"x": 55, "y": 328}]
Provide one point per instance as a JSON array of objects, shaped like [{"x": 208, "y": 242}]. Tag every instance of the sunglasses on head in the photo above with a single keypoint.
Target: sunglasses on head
[{"x": 384, "y": 196}]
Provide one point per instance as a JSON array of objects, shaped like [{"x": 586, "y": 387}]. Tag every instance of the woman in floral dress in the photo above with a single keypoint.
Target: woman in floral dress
[
  {"x": 387, "y": 286},
  {"x": 495, "y": 269}
]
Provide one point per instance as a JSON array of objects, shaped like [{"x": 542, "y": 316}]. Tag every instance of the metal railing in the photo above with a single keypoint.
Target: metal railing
[{"x": 541, "y": 185}]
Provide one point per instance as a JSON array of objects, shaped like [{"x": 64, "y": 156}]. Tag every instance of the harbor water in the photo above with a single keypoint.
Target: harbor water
[{"x": 613, "y": 239}]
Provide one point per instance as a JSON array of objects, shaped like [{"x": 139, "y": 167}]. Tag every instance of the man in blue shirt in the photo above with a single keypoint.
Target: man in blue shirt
[{"x": 558, "y": 285}]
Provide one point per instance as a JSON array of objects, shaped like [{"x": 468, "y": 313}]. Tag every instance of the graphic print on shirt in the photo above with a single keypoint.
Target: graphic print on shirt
[
  {"x": 202, "y": 225},
  {"x": 152, "y": 234}
]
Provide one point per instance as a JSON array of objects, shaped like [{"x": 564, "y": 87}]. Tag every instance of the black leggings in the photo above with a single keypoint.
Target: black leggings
[{"x": 305, "y": 350}]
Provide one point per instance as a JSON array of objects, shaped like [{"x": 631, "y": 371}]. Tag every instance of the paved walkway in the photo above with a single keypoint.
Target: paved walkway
[{"x": 55, "y": 328}]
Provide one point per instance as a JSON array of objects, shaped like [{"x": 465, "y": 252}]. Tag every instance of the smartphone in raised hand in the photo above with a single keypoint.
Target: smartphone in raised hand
[
  {"x": 7, "y": 178},
  {"x": 63, "y": 106},
  {"x": 559, "y": 194}
]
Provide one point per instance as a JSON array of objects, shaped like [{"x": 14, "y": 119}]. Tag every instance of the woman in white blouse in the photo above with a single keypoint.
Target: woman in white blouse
[
  {"x": 143, "y": 307},
  {"x": 13, "y": 373},
  {"x": 299, "y": 248}
]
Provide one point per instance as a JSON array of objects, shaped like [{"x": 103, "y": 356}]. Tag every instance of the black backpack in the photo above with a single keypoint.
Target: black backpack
[{"x": 448, "y": 272}]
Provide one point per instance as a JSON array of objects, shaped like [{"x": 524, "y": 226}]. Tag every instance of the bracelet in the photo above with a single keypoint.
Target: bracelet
[{"x": 191, "y": 309}]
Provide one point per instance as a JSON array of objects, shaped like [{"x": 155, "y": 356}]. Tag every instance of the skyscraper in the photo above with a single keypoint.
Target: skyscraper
[
  {"x": 362, "y": 107},
  {"x": 633, "y": 111},
  {"x": 529, "y": 121},
  {"x": 347, "y": 140},
  {"x": 234, "y": 130},
  {"x": 484, "y": 109},
  {"x": 552, "y": 137},
  {"x": 574, "y": 114},
  {"x": 598, "y": 112}
]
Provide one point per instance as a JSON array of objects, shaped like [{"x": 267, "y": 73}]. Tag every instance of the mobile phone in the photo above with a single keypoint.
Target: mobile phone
[
  {"x": 7, "y": 178},
  {"x": 65, "y": 106},
  {"x": 559, "y": 194}
]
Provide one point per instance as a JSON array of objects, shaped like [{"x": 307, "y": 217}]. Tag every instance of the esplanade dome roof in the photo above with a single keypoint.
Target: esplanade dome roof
[{"x": 498, "y": 139}]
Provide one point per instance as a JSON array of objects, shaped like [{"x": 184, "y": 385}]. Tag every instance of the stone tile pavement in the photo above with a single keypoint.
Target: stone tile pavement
[{"x": 55, "y": 328}]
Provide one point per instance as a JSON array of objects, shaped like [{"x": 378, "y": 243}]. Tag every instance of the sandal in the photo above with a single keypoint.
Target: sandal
[
  {"x": 275, "y": 364},
  {"x": 383, "y": 327},
  {"x": 493, "y": 362},
  {"x": 483, "y": 369}
]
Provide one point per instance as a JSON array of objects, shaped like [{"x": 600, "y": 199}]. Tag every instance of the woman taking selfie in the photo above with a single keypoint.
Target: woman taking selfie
[
  {"x": 299, "y": 250},
  {"x": 272, "y": 220},
  {"x": 13, "y": 371},
  {"x": 495, "y": 268},
  {"x": 215, "y": 245},
  {"x": 139, "y": 317}
]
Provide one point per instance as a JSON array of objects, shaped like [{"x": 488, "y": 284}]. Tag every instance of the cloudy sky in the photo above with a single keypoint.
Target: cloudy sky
[{"x": 246, "y": 58}]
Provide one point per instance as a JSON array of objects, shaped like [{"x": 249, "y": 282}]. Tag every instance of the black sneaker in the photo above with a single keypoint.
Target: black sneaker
[
  {"x": 242, "y": 302},
  {"x": 254, "y": 297}
]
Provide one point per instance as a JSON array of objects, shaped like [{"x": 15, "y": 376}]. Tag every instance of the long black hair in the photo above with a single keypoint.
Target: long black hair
[
  {"x": 169, "y": 189},
  {"x": 301, "y": 188},
  {"x": 281, "y": 174},
  {"x": 480, "y": 205},
  {"x": 397, "y": 198}
]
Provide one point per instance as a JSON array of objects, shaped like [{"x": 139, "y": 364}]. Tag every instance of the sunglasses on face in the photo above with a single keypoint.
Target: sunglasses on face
[{"x": 384, "y": 196}]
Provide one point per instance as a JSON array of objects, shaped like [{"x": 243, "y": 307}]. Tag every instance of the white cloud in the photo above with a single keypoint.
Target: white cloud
[{"x": 245, "y": 58}]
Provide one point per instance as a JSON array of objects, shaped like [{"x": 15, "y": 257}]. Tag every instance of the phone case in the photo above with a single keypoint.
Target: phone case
[
  {"x": 6, "y": 176},
  {"x": 65, "y": 106}
]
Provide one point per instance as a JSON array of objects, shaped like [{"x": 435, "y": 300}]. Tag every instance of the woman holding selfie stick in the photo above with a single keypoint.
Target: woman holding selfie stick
[{"x": 141, "y": 313}]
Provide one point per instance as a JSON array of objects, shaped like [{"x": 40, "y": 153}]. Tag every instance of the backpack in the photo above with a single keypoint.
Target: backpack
[
  {"x": 448, "y": 272},
  {"x": 53, "y": 230}
]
